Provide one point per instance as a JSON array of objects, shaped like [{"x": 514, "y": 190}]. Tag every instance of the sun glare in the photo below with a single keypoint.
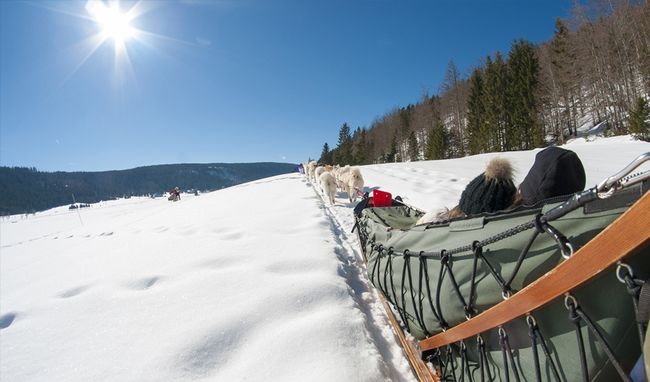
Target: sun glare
[{"x": 114, "y": 23}]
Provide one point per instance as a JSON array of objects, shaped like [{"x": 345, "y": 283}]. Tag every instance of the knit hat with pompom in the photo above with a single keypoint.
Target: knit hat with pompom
[{"x": 491, "y": 191}]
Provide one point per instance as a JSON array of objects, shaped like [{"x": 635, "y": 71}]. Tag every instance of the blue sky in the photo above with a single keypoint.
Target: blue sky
[{"x": 231, "y": 81}]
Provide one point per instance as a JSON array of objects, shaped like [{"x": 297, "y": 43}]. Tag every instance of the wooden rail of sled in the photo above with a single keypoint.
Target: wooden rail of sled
[
  {"x": 420, "y": 368},
  {"x": 628, "y": 233}
]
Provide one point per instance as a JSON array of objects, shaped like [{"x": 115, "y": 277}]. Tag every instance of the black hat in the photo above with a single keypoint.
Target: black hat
[
  {"x": 491, "y": 191},
  {"x": 555, "y": 172}
]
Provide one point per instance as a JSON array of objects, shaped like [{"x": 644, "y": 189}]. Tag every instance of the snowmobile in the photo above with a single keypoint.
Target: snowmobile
[{"x": 554, "y": 291}]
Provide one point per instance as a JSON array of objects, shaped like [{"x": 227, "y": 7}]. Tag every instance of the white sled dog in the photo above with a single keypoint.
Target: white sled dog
[
  {"x": 340, "y": 174},
  {"x": 311, "y": 167},
  {"x": 319, "y": 170},
  {"x": 328, "y": 185},
  {"x": 352, "y": 181}
]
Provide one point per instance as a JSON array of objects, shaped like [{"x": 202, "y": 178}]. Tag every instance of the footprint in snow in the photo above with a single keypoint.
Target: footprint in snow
[
  {"x": 209, "y": 351},
  {"x": 233, "y": 236},
  {"x": 145, "y": 283},
  {"x": 7, "y": 319},
  {"x": 188, "y": 231},
  {"x": 74, "y": 291},
  {"x": 221, "y": 263}
]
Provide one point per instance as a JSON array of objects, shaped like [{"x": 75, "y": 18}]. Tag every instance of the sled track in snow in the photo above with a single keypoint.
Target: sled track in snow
[{"x": 353, "y": 269}]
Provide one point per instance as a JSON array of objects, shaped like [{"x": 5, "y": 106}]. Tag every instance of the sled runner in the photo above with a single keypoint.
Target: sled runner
[{"x": 545, "y": 292}]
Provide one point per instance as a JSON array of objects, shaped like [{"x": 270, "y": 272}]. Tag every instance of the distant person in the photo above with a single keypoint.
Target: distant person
[{"x": 175, "y": 194}]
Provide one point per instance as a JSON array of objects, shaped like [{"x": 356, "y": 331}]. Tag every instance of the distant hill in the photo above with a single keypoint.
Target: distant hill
[{"x": 27, "y": 190}]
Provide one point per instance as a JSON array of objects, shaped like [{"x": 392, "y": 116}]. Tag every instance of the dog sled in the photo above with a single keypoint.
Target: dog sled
[{"x": 552, "y": 292}]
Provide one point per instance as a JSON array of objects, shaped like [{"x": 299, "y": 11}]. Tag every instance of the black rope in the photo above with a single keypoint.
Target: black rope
[
  {"x": 421, "y": 272},
  {"x": 603, "y": 343},
  {"x": 439, "y": 288},
  {"x": 423, "y": 261},
  {"x": 556, "y": 235},
  {"x": 380, "y": 218},
  {"x": 389, "y": 269},
  {"x": 403, "y": 292},
  {"x": 574, "y": 317},
  {"x": 443, "y": 365},
  {"x": 450, "y": 360},
  {"x": 533, "y": 341},
  {"x": 634, "y": 288},
  {"x": 484, "y": 365},
  {"x": 495, "y": 274},
  {"x": 469, "y": 311},
  {"x": 380, "y": 249},
  {"x": 374, "y": 265},
  {"x": 506, "y": 350},
  {"x": 481, "y": 361},
  {"x": 418, "y": 314},
  {"x": 505, "y": 356},
  {"x": 464, "y": 363},
  {"x": 547, "y": 353},
  {"x": 523, "y": 254},
  {"x": 535, "y": 334},
  {"x": 445, "y": 262}
]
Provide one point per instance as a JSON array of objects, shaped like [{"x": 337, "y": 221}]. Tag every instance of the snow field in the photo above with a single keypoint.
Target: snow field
[
  {"x": 259, "y": 281},
  {"x": 241, "y": 284}
]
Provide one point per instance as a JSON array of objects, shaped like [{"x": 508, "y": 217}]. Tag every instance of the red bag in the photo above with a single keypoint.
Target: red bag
[{"x": 382, "y": 198}]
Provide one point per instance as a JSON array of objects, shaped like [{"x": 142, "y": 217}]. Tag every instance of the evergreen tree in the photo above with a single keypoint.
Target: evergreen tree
[
  {"x": 413, "y": 152},
  {"x": 361, "y": 148},
  {"x": 326, "y": 155},
  {"x": 343, "y": 154},
  {"x": 391, "y": 156},
  {"x": 639, "y": 124},
  {"x": 475, "y": 113},
  {"x": 562, "y": 62},
  {"x": 437, "y": 140},
  {"x": 451, "y": 86},
  {"x": 496, "y": 122},
  {"x": 526, "y": 131}
]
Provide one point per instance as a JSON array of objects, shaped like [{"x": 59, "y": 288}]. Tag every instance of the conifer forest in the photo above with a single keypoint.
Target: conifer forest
[{"x": 594, "y": 71}]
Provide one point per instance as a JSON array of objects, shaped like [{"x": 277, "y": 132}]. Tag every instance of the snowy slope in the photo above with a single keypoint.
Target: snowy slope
[{"x": 258, "y": 281}]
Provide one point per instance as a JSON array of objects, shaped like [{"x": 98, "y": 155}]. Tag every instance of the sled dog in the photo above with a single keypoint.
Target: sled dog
[
  {"x": 352, "y": 182},
  {"x": 328, "y": 185}
]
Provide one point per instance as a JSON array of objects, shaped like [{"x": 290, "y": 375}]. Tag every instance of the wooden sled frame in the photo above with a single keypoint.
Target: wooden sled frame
[{"x": 625, "y": 236}]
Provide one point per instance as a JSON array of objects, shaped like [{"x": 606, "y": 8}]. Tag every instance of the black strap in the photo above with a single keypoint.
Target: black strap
[
  {"x": 575, "y": 318},
  {"x": 643, "y": 313}
]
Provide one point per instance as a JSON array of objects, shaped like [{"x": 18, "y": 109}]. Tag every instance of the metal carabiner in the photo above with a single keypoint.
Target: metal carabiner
[{"x": 608, "y": 186}]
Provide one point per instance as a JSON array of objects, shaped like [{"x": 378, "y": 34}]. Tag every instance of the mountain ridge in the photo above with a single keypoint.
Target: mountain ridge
[{"x": 27, "y": 190}]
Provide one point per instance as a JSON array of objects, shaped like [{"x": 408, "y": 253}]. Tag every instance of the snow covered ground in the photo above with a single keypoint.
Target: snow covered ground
[{"x": 258, "y": 281}]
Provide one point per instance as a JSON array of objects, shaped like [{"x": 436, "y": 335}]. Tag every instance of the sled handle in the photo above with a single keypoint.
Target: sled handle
[{"x": 616, "y": 181}]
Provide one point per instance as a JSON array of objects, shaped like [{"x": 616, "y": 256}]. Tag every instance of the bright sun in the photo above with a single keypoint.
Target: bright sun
[{"x": 114, "y": 23}]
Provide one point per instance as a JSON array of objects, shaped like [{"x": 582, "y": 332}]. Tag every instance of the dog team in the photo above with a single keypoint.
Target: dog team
[{"x": 331, "y": 178}]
